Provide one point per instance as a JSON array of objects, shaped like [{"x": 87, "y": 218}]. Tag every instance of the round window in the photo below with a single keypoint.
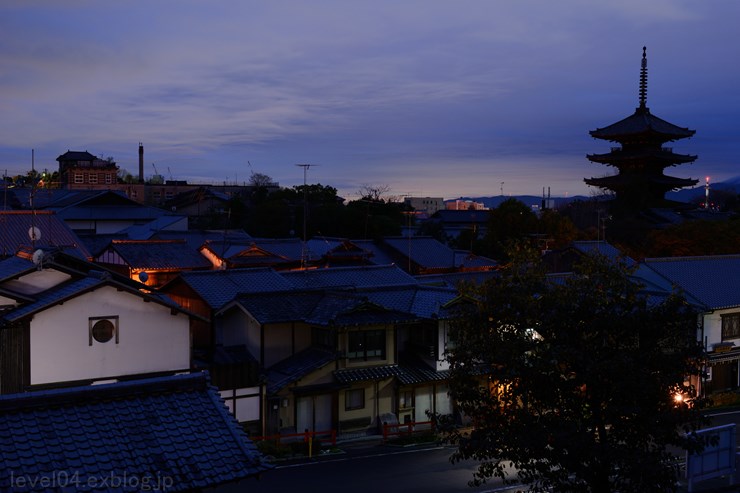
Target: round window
[{"x": 103, "y": 330}]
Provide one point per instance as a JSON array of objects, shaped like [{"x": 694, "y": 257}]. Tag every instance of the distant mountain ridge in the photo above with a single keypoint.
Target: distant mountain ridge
[{"x": 684, "y": 195}]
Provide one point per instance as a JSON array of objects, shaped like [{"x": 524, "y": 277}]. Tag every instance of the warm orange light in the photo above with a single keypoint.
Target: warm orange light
[{"x": 678, "y": 398}]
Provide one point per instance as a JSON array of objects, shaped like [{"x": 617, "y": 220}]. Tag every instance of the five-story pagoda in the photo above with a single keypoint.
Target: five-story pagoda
[{"x": 641, "y": 159}]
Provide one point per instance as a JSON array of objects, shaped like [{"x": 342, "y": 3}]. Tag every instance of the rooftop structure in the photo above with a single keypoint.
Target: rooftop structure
[{"x": 641, "y": 159}]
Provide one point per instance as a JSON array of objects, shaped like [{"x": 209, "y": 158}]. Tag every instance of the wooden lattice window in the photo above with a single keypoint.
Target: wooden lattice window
[{"x": 731, "y": 326}]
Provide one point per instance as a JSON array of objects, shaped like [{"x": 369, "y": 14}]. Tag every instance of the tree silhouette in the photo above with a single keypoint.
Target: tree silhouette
[{"x": 579, "y": 380}]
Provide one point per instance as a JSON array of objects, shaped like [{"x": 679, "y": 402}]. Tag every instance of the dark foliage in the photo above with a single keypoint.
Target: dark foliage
[{"x": 571, "y": 382}]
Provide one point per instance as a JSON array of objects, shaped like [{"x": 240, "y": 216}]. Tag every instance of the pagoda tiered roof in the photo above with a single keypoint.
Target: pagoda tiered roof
[
  {"x": 621, "y": 182},
  {"x": 662, "y": 157},
  {"x": 642, "y": 122},
  {"x": 641, "y": 158}
]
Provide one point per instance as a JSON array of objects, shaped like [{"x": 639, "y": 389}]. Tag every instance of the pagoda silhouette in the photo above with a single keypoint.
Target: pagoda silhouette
[{"x": 641, "y": 158}]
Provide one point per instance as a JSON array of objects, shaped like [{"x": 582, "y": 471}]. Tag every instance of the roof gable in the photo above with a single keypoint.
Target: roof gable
[
  {"x": 50, "y": 232},
  {"x": 158, "y": 254},
  {"x": 217, "y": 288}
]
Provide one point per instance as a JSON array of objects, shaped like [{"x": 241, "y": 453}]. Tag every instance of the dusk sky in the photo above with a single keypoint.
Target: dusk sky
[{"x": 431, "y": 98}]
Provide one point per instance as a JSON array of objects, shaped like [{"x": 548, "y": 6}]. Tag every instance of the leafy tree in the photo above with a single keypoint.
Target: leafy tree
[
  {"x": 512, "y": 220},
  {"x": 695, "y": 238},
  {"x": 580, "y": 379},
  {"x": 367, "y": 218}
]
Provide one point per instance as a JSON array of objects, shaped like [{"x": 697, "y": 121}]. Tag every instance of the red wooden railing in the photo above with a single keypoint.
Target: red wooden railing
[
  {"x": 403, "y": 429},
  {"x": 308, "y": 437}
]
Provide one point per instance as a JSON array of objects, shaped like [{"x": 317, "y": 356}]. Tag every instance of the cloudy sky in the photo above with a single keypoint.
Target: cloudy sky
[{"x": 431, "y": 98}]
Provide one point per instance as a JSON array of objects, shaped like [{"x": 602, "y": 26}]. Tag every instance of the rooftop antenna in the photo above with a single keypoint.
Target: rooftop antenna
[
  {"x": 305, "y": 211},
  {"x": 643, "y": 80}
]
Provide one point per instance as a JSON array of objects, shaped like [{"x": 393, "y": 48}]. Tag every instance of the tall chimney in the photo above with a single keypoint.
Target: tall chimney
[{"x": 141, "y": 162}]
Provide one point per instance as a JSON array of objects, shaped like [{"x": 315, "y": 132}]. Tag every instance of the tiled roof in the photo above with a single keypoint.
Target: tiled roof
[
  {"x": 336, "y": 248},
  {"x": 97, "y": 243},
  {"x": 453, "y": 279},
  {"x": 196, "y": 239},
  {"x": 76, "y": 156},
  {"x": 422, "y": 301},
  {"x": 712, "y": 280},
  {"x": 54, "y": 233},
  {"x": 602, "y": 248},
  {"x": 641, "y": 121},
  {"x": 289, "y": 248},
  {"x": 406, "y": 375},
  {"x": 319, "y": 308},
  {"x": 148, "y": 230},
  {"x": 91, "y": 198},
  {"x": 171, "y": 431},
  {"x": 295, "y": 367},
  {"x": 12, "y": 267},
  {"x": 370, "y": 314},
  {"x": 220, "y": 287},
  {"x": 53, "y": 297},
  {"x": 110, "y": 213},
  {"x": 424, "y": 251},
  {"x": 362, "y": 276},
  {"x": 79, "y": 285},
  {"x": 469, "y": 260},
  {"x": 376, "y": 253},
  {"x": 159, "y": 254},
  {"x": 288, "y": 306},
  {"x": 367, "y": 373}
]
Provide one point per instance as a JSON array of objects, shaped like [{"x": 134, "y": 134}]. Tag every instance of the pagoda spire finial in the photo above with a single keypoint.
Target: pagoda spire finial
[{"x": 643, "y": 79}]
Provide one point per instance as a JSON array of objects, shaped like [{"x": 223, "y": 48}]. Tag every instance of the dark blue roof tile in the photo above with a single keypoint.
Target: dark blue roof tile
[
  {"x": 158, "y": 254},
  {"x": 111, "y": 428},
  {"x": 712, "y": 280},
  {"x": 220, "y": 287},
  {"x": 364, "y": 276},
  {"x": 295, "y": 367}
]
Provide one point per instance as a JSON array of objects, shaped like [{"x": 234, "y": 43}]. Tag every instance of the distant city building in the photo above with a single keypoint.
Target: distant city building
[
  {"x": 428, "y": 205},
  {"x": 640, "y": 183},
  {"x": 80, "y": 170},
  {"x": 83, "y": 171},
  {"x": 465, "y": 205}
]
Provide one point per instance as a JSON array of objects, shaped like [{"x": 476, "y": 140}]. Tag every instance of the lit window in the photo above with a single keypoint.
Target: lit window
[
  {"x": 354, "y": 399},
  {"x": 102, "y": 329}
]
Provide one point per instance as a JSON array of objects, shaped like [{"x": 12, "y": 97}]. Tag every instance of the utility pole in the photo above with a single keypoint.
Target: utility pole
[{"x": 305, "y": 210}]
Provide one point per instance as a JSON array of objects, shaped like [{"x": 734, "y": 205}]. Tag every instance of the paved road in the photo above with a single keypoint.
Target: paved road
[
  {"x": 380, "y": 469},
  {"x": 370, "y": 467}
]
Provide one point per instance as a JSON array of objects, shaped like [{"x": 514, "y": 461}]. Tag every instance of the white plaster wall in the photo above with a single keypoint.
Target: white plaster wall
[
  {"x": 713, "y": 327},
  {"x": 150, "y": 339}
]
